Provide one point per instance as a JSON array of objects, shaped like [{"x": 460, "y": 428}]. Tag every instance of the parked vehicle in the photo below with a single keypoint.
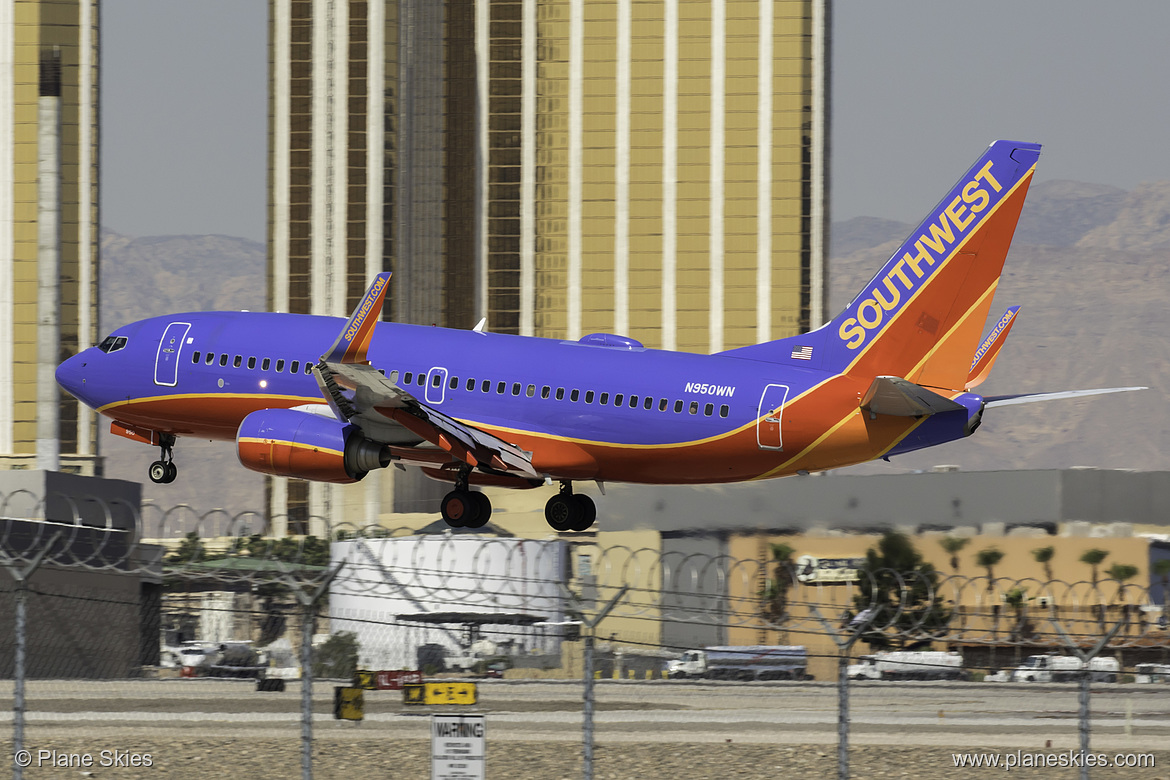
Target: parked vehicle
[
  {"x": 1152, "y": 673},
  {"x": 1065, "y": 668},
  {"x": 747, "y": 662},
  {"x": 908, "y": 665},
  {"x": 481, "y": 651}
]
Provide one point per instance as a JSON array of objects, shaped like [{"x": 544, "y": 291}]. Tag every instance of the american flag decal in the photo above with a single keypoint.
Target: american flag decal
[{"x": 802, "y": 353}]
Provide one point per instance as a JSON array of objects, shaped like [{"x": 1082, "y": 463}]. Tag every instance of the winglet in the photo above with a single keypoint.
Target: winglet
[
  {"x": 989, "y": 349},
  {"x": 354, "y": 340}
]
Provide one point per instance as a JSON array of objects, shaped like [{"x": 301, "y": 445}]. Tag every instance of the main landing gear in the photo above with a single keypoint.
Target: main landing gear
[
  {"x": 164, "y": 471},
  {"x": 569, "y": 511},
  {"x": 463, "y": 507}
]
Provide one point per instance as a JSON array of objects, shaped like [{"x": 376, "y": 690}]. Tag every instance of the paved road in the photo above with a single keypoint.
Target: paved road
[{"x": 1124, "y": 717}]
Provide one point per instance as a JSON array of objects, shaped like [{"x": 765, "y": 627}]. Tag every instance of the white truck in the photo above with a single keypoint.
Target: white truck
[
  {"x": 1065, "y": 668},
  {"x": 908, "y": 665},
  {"x": 747, "y": 662},
  {"x": 1151, "y": 673},
  {"x": 480, "y": 650}
]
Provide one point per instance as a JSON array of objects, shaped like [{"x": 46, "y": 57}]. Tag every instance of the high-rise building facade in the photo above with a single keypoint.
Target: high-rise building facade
[
  {"x": 560, "y": 167},
  {"x": 48, "y": 228}
]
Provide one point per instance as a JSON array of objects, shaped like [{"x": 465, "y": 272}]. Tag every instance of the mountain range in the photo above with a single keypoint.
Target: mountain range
[{"x": 1089, "y": 266}]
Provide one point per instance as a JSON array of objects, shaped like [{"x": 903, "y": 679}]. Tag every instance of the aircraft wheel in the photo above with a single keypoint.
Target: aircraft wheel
[
  {"x": 172, "y": 472},
  {"x": 562, "y": 512},
  {"x": 159, "y": 472},
  {"x": 588, "y": 511},
  {"x": 483, "y": 510},
  {"x": 459, "y": 509}
]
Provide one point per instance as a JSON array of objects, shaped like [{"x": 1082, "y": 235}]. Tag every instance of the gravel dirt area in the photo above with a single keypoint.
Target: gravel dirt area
[{"x": 267, "y": 759}]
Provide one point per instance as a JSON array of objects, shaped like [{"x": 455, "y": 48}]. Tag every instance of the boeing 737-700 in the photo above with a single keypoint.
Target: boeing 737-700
[{"x": 892, "y": 373}]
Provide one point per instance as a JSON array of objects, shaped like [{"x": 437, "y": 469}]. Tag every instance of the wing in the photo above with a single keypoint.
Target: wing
[{"x": 361, "y": 394}]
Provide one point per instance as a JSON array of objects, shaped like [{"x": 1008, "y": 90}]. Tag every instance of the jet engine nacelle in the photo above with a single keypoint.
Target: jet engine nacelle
[{"x": 288, "y": 443}]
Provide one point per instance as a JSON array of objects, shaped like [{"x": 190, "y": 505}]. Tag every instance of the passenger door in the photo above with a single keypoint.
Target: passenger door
[
  {"x": 166, "y": 362},
  {"x": 768, "y": 434}
]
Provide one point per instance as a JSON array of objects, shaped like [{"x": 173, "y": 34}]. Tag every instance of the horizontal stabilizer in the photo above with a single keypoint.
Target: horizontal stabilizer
[
  {"x": 985, "y": 356},
  {"x": 897, "y": 397},
  {"x": 1028, "y": 398}
]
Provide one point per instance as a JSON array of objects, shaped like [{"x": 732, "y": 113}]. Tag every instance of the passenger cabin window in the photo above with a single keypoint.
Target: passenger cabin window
[
  {"x": 560, "y": 393},
  {"x": 648, "y": 403},
  {"x": 295, "y": 367},
  {"x": 112, "y": 344},
  {"x": 723, "y": 410},
  {"x": 209, "y": 359},
  {"x": 604, "y": 399},
  {"x": 454, "y": 383},
  {"x": 223, "y": 359},
  {"x": 515, "y": 388},
  {"x": 677, "y": 407},
  {"x": 617, "y": 399},
  {"x": 531, "y": 390},
  {"x": 633, "y": 402},
  {"x": 694, "y": 407},
  {"x": 545, "y": 391},
  {"x": 422, "y": 379},
  {"x": 588, "y": 396},
  {"x": 436, "y": 380},
  {"x": 308, "y": 367},
  {"x": 409, "y": 378},
  {"x": 470, "y": 385},
  {"x": 708, "y": 410},
  {"x": 485, "y": 386},
  {"x": 575, "y": 395},
  {"x": 279, "y": 365},
  {"x": 394, "y": 376},
  {"x": 239, "y": 361},
  {"x": 251, "y": 363},
  {"x": 663, "y": 404},
  {"x": 265, "y": 364},
  {"x": 500, "y": 386},
  {"x": 195, "y": 357}
]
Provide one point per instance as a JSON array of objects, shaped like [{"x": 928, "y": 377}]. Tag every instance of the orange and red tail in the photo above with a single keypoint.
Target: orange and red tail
[{"x": 921, "y": 318}]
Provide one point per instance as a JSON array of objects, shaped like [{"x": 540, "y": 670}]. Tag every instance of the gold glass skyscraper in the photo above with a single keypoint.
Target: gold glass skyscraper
[
  {"x": 48, "y": 227},
  {"x": 655, "y": 169}
]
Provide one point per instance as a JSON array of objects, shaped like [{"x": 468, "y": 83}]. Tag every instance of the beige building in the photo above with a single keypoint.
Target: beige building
[
  {"x": 560, "y": 167},
  {"x": 48, "y": 227}
]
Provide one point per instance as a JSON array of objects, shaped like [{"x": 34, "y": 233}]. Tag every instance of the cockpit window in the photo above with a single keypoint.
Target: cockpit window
[{"x": 112, "y": 344}]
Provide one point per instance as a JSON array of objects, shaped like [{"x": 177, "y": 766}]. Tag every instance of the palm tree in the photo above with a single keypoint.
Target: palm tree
[
  {"x": 1093, "y": 558},
  {"x": 776, "y": 590},
  {"x": 987, "y": 559},
  {"x": 952, "y": 545},
  {"x": 1017, "y": 599},
  {"x": 1121, "y": 572},
  {"x": 1043, "y": 556}
]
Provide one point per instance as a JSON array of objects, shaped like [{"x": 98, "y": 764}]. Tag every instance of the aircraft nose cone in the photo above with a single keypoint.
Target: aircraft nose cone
[{"x": 71, "y": 375}]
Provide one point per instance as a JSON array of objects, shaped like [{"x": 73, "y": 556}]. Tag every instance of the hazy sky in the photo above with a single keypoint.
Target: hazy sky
[{"x": 920, "y": 87}]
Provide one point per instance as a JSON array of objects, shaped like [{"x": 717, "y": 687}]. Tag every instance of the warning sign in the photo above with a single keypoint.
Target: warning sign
[
  {"x": 458, "y": 747},
  {"x": 348, "y": 703},
  {"x": 439, "y": 693}
]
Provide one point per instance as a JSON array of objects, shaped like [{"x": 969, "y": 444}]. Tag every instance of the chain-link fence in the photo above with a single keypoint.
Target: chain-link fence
[{"x": 223, "y": 655}]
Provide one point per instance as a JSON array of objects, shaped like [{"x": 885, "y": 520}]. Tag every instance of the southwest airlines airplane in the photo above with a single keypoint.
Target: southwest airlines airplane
[{"x": 892, "y": 373}]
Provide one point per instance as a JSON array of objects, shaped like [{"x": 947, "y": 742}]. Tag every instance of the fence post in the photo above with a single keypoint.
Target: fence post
[
  {"x": 309, "y": 602},
  {"x": 587, "y": 631},
  {"x": 1086, "y": 675},
  {"x": 844, "y": 641},
  {"x": 20, "y": 638}
]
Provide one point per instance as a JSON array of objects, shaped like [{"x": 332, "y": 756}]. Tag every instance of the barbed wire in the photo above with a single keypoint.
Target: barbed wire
[{"x": 435, "y": 572}]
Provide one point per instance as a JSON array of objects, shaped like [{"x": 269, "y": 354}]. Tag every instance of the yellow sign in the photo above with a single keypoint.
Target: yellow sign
[
  {"x": 348, "y": 703},
  {"x": 439, "y": 693},
  {"x": 365, "y": 680}
]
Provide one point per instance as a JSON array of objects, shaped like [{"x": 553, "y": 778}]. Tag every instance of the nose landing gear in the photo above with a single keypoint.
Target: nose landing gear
[
  {"x": 164, "y": 471},
  {"x": 569, "y": 511}
]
